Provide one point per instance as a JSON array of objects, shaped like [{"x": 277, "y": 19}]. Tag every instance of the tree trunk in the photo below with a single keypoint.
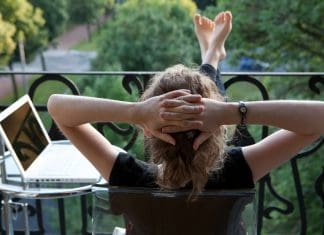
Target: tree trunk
[
  {"x": 89, "y": 31},
  {"x": 13, "y": 81}
]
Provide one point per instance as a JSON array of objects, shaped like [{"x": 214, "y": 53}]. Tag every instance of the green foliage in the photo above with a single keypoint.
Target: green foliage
[
  {"x": 202, "y": 4},
  {"x": 27, "y": 22},
  {"x": 292, "y": 88},
  {"x": 55, "y": 14},
  {"x": 148, "y": 35},
  {"x": 23, "y": 15},
  {"x": 309, "y": 170},
  {"x": 288, "y": 34},
  {"x": 84, "y": 11},
  {"x": 7, "y": 43}
]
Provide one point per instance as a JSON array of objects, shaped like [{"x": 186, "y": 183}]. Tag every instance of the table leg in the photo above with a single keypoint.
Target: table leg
[
  {"x": 7, "y": 214},
  {"x": 26, "y": 221}
]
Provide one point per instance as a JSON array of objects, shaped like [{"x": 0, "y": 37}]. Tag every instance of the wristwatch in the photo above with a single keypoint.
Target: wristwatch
[{"x": 243, "y": 111}]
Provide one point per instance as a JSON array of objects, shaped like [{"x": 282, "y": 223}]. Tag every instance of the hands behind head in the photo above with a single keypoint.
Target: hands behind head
[
  {"x": 150, "y": 114},
  {"x": 178, "y": 111},
  {"x": 211, "y": 116}
]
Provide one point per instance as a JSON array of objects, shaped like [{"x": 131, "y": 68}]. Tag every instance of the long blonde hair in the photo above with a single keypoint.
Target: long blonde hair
[{"x": 181, "y": 164}]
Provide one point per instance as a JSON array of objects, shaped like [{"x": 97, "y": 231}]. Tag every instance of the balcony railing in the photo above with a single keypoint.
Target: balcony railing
[{"x": 135, "y": 82}]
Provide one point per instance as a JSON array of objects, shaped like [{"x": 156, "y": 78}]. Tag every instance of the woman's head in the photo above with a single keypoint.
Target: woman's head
[{"x": 181, "y": 163}]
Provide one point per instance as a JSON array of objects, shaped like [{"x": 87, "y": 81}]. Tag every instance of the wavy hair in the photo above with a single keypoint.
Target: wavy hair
[{"x": 181, "y": 164}]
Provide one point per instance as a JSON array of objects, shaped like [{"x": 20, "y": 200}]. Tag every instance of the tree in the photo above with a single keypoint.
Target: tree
[
  {"x": 287, "y": 33},
  {"x": 202, "y": 4},
  {"x": 55, "y": 14},
  {"x": 149, "y": 35},
  {"x": 7, "y": 43},
  {"x": 86, "y": 12},
  {"x": 27, "y": 22}
]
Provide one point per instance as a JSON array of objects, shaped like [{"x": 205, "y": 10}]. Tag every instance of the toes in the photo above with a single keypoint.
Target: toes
[
  {"x": 220, "y": 18},
  {"x": 197, "y": 19},
  {"x": 204, "y": 20},
  {"x": 228, "y": 16},
  {"x": 211, "y": 24},
  {"x": 207, "y": 23}
]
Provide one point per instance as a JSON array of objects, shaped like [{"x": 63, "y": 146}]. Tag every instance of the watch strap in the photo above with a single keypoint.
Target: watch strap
[{"x": 243, "y": 112}]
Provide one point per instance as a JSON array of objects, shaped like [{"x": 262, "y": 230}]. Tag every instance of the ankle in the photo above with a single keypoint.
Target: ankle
[{"x": 212, "y": 58}]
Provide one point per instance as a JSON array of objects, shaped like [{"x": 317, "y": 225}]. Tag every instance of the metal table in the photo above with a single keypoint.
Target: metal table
[{"x": 11, "y": 187}]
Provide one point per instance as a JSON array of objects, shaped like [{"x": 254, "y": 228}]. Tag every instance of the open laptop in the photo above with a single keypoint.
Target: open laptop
[{"x": 38, "y": 159}]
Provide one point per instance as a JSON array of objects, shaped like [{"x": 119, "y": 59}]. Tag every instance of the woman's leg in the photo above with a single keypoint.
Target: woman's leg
[
  {"x": 211, "y": 36},
  {"x": 215, "y": 75}
]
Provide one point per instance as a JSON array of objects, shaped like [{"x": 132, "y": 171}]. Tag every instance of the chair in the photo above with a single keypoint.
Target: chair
[{"x": 152, "y": 211}]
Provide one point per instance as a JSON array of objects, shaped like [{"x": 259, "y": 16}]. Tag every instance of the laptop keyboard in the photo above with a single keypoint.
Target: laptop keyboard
[{"x": 62, "y": 161}]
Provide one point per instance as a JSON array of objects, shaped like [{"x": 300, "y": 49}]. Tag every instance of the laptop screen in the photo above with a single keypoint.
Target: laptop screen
[{"x": 25, "y": 134}]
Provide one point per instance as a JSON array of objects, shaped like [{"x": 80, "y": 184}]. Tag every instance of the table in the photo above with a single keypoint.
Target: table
[{"x": 12, "y": 187}]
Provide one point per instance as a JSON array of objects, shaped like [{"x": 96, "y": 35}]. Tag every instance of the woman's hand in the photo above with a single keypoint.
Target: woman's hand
[
  {"x": 212, "y": 116},
  {"x": 149, "y": 114}
]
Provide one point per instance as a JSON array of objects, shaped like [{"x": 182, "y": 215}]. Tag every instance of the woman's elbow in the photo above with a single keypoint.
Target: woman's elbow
[{"x": 53, "y": 106}]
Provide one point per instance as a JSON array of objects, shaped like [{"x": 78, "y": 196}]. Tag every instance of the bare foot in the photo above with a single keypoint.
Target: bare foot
[
  {"x": 216, "y": 47},
  {"x": 204, "y": 28}
]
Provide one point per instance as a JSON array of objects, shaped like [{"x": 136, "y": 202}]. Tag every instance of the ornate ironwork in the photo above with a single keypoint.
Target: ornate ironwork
[
  {"x": 313, "y": 81},
  {"x": 54, "y": 132},
  {"x": 319, "y": 186},
  {"x": 263, "y": 210},
  {"x": 137, "y": 81}
]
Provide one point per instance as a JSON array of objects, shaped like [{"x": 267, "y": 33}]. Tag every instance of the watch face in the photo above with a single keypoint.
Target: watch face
[{"x": 243, "y": 109}]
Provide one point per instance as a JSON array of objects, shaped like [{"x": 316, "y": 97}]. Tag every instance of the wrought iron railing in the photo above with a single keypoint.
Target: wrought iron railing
[{"x": 137, "y": 81}]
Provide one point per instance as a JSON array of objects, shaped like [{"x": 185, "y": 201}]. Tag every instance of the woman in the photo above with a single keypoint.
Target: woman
[{"x": 182, "y": 115}]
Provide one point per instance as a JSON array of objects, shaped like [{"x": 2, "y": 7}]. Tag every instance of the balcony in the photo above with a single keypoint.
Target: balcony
[{"x": 54, "y": 216}]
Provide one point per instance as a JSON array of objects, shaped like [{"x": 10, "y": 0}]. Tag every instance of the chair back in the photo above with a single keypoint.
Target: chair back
[{"x": 151, "y": 211}]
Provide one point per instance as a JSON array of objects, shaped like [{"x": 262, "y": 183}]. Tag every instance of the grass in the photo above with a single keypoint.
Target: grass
[
  {"x": 85, "y": 45},
  {"x": 88, "y": 45}
]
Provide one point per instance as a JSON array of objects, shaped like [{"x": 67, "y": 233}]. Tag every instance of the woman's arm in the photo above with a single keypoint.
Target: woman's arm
[
  {"x": 301, "y": 123},
  {"x": 74, "y": 113},
  {"x": 275, "y": 150},
  {"x": 302, "y": 117}
]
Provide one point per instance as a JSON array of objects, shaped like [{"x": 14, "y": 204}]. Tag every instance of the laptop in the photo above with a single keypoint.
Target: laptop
[{"x": 38, "y": 159}]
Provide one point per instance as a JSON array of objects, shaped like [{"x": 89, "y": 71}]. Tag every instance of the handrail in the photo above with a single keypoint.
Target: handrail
[{"x": 155, "y": 72}]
